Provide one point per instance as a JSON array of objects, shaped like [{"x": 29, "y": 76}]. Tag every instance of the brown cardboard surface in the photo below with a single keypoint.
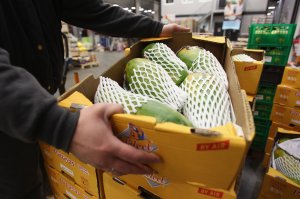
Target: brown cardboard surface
[
  {"x": 62, "y": 185},
  {"x": 82, "y": 174},
  {"x": 285, "y": 115},
  {"x": 291, "y": 77},
  {"x": 287, "y": 96},
  {"x": 277, "y": 186},
  {"x": 237, "y": 149}
]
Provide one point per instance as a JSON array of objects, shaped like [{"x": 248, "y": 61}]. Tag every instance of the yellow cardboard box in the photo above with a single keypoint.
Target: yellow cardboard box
[
  {"x": 285, "y": 115},
  {"x": 266, "y": 161},
  {"x": 287, "y": 96},
  {"x": 152, "y": 189},
  {"x": 275, "y": 184},
  {"x": 62, "y": 185},
  {"x": 114, "y": 188},
  {"x": 249, "y": 72},
  {"x": 269, "y": 145},
  {"x": 211, "y": 160},
  {"x": 291, "y": 77},
  {"x": 83, "y": 174},
  {"x": 275, "y": 125}
]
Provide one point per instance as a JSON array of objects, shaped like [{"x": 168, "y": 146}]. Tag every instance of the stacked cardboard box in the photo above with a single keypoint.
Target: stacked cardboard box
[
  {"x": 285, "y": 123},
  {"x": 68, "y": 175}
]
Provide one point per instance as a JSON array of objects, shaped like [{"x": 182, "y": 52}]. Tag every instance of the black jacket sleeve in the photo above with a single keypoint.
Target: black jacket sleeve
[
  {"x": 28, "y": 112},
  {"x": 107, "y": 19}
]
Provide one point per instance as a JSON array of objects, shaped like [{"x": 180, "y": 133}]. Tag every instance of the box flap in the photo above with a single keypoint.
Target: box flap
[{"x": 255, "y": 54}]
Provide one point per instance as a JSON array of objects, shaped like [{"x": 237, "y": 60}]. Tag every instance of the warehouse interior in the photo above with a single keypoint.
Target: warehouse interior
[{"x": 238, "y": 131}]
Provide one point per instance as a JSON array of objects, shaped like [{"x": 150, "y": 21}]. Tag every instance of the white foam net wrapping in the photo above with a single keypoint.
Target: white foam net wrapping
[
  {"x": 161, "y": 54},
  {"x": 289, "y": 166},
  {"x": 150, "y": 79},
  {"x": 206, "y": 62},
  {"x": 109, "y": 91},
  {"x": 242, "y": 57},
  {"x": 208, "y": 104}
]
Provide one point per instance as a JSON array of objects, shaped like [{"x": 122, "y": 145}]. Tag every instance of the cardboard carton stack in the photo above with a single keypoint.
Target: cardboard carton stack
[
  {"x": 285, "y": 118},
  {"x": 276, "y": 41},
  {"x": 69, "y": 177}
]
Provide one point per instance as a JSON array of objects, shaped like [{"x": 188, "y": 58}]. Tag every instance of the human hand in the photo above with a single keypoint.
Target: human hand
[
  {"x": 169, "y": 29},
  {"x": 94, "y": 143}
]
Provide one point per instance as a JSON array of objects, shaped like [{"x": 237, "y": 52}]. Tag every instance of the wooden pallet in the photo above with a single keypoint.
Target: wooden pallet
[{"x": 89, "y": 64}]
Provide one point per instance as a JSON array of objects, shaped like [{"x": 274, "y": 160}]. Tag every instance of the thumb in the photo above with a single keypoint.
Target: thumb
[{"x": 108, "y": 109}]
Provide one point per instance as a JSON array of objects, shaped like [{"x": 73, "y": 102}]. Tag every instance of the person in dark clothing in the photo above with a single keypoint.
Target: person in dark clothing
[{"x": 31, "y": 60}]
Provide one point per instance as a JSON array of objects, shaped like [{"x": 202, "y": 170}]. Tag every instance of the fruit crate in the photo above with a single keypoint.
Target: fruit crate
[
  {"x": 262, "y": 128},
  {"x": 262, "y": 110},
  {"x": 265, "y": 93},
  {"x": 272, "y": 75},
  {"x": 275, "y": 55},
  {"x": 271, "y": 34}
]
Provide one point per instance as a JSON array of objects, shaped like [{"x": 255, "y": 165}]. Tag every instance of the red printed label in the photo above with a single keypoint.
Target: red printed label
[
  {"x": 212, "y": 193},
  {"x": 250, "y": 68},
  {"x": 213, "y": 146}
]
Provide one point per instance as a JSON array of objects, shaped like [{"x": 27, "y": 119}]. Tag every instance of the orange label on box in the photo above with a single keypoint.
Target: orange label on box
[
  {"x": 212, "y": 193},
  {"x": 213, "y": 146},
  {"x": 66, "y": 159},
  {"x": 250, "y": 68}
]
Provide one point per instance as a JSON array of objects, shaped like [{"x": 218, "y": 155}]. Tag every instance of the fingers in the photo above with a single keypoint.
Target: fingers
[
  {"x": 121, "y": 167},
  {"x": 113, "y": 109},
  {"x": 108, "y": 109},
  {"x": 133, "y": 155},
  {"x": 169, "y": 29},
  {"x": 179, "y": 28}
]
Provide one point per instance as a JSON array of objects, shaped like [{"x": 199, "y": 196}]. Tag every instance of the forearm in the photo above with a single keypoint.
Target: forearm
[
  {"x": 28, "y": 112},
  {"x": 109, "y": 20}
]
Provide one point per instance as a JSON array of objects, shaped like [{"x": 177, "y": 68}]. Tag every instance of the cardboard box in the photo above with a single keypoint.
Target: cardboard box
[
  {"x": 114, "y": 188},
  {"x": 291, "y": 77},
  {"x": 136, "y": 185},
  {"x": 285, "y": 115},
  {"x": 275, "y": 125},
  {"x": 62, "y": 185},
  {"x": 269, "y": 145},
  {"x": 83, "y": 174},
  {"x": 249, "y": 72},
  {"x": 214, "y": 161},
  {"x": 287, "y": 96},
  {"x": 277, "y": 186},
  {"x": 266, "y": 161}
]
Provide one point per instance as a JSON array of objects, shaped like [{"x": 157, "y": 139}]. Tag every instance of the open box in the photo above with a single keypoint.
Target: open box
[
  {"x": 275, "y": 184},
  {"x": 214, "y": 161},
  {"x": 249, "y": 72}
]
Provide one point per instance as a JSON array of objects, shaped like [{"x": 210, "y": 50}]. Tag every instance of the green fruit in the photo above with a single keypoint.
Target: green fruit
[
  {"x": 162, "y": 113},
  {"x": 161, "y": 54},
  {"x": 109, "y": 91},
  {"x": 208, "y": 104},
  {"x": 147, "y": 78},
  {"x": 199, "y": 60}
]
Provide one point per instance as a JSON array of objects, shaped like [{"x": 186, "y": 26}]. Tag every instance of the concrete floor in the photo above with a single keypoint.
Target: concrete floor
[{"x": 252, "y": 172}]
